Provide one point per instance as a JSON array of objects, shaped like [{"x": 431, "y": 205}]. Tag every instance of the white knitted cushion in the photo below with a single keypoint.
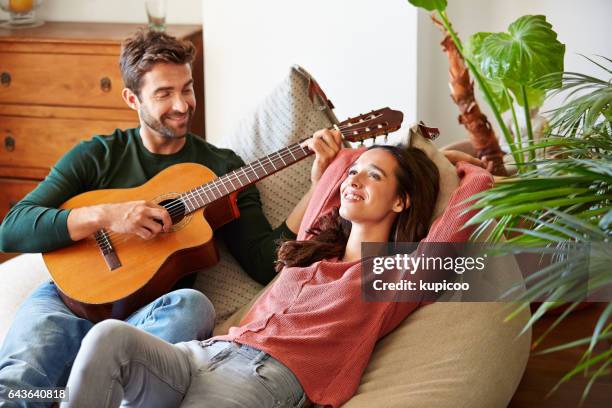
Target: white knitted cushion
[
  {"x": 283, "y": 117},
  {"x": 18, "y": 277}
]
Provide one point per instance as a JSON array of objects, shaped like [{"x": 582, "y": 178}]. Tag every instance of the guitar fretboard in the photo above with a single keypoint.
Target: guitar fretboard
[{"x": 244, "y": 176}]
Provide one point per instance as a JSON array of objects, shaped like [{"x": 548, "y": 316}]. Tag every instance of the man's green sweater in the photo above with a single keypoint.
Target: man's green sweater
[{"x": 120, "y": 160}]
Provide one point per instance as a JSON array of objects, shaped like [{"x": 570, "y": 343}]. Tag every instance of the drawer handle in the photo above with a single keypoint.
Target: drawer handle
[
  {"x": 105, "y": 84},
  {"x": 9, "y": 143},
  {"x": 5, "y": 79}
]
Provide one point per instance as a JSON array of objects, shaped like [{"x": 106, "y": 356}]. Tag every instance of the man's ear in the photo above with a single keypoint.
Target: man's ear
[
  {"x": 130, "y": 98},
  {"x": 401, "y": 204}
]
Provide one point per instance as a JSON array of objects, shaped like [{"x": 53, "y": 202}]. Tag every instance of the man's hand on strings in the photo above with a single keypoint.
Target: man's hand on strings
[{"x": 141, "y": 218}]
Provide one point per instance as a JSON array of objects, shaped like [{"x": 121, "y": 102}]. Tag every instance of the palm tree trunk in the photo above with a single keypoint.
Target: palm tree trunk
[{"x": 482, "y": 136}]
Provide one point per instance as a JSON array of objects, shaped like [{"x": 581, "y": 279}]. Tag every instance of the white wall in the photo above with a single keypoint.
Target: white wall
[
  {"x": 365, "y": 53},
  {"x": 362, "y": 53},
  {"x": 119, "y": 11},
  {"x": 584, "y": 26}
]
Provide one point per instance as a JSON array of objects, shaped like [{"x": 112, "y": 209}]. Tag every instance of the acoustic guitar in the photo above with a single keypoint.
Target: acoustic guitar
[{"x": 110, "y": 275}]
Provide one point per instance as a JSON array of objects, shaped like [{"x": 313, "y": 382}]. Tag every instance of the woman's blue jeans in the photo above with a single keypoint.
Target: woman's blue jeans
[
  {"x": 43, "y": 341},
  {"x": 119, "y": 364}
]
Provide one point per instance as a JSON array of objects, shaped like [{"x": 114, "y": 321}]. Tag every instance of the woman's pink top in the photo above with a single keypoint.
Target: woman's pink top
[{"x": 313, "y": 319}]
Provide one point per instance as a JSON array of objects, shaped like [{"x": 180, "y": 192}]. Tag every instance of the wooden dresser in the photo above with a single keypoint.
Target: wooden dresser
[{"x": 59, "y": 84}]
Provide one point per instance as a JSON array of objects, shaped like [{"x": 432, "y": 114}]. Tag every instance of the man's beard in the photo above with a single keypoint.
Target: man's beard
[{"x": 162, "y": 128}]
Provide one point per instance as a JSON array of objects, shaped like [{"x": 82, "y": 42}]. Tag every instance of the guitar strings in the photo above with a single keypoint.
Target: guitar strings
[
  {"x": 247, "y": 171},
  {"x": 186, "y": 198},
  {"x": 176, "y": 208},
  {"x": 190, "y": 195},
  {"x": 233, "y": 176}
]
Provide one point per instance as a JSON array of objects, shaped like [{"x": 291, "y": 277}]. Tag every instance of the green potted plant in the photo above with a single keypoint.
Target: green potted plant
[{"x": 564, "y": 197}]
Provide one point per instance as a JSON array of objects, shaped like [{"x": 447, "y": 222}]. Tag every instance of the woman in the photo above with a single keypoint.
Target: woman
[{"x": 308, "y": 337}]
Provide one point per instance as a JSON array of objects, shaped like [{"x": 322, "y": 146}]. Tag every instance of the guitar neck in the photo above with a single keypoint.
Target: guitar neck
[
  {"x": 243, "y": 177},
  {"x": 359, "y": 128}
]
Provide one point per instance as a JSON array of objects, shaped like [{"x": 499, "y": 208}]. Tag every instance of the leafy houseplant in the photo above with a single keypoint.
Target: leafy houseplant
[
  {"x": 507, "y": 67},
  {"x": 564, "y": 198},
  {"x": 513, "y": 63}
]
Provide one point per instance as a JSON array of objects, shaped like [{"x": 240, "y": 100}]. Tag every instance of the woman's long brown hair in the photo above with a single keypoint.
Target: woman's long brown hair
[{"x": 418, "y": 179}]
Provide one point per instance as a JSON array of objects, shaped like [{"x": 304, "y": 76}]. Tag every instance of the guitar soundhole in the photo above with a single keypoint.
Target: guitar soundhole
[{"x": 175, "y": 208}]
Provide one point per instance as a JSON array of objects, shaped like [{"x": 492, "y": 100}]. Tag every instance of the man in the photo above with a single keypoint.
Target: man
[{"x": 44, "y": 339}]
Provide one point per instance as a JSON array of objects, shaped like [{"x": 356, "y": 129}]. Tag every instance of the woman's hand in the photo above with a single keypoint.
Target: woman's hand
[
  {"x": 326, "y": 144},
  {"x": 455, "y": 156}
]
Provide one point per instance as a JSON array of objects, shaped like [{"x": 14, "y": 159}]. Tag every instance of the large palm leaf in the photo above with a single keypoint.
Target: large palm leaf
[{"x": 565, "y": 199}]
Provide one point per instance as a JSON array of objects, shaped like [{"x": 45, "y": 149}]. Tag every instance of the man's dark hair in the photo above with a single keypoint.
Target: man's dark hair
[{"x": 146, "y": 48}]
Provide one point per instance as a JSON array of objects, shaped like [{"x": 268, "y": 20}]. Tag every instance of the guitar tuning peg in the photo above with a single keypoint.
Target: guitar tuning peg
[{"x": 386, "y": 137}]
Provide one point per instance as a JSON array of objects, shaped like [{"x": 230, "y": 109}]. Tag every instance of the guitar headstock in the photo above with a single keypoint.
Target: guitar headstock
[{"x": 376, "y": 123}]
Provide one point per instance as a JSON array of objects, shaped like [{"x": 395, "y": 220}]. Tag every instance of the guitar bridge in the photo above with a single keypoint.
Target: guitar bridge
[{"x": 107, "y": 249}]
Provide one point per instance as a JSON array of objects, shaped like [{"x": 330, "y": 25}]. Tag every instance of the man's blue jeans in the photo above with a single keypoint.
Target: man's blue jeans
[{"x": 43, "y": 341}]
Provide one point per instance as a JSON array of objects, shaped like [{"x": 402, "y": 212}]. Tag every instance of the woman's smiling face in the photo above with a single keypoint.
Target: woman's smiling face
[{"x": 369, "y": 192}]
